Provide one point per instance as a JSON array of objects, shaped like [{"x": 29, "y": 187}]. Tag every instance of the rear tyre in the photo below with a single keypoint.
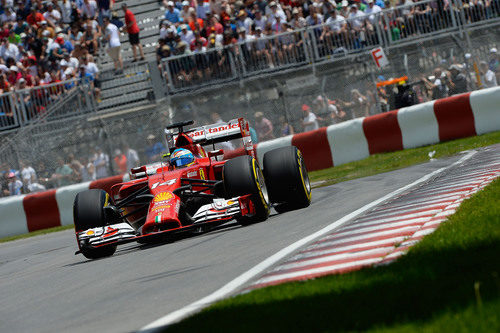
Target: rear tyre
[
  {"x": 88, "y": 212},
  {"x": 287, "y": 179},
  {"x": 242, "y": 175}
]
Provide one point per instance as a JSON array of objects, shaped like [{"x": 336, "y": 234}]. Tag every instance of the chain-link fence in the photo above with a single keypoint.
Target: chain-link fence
[
  {"x": 346, "y": 88},
  {"x": 70, "y": 150}
]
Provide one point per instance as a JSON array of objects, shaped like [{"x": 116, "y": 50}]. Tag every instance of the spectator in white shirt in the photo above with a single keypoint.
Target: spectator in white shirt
[
  {"x": 356, "y": 17},
  {"x": 186, "y": 11},
  {"x": 101, "y": 164},
  {"x": 336, "y": 22},
  {"x": 9, "y": 50},
  {"x": 309, "y": 120},
  {"x": 8, "y": 16},
  {"x": 90, "y": 66},
  {"x": 275, "y": 11},
  {"x": 113, "y": 37},
  {"x": 52, "y": 14},
  {"x": 244, "y": 21},
  {"x": 72, "y": 61},
  {"x": 66, "y": 8},
  {"x": 259, "y": 20},
  {"x": 314, "y": 19},
  {"x": 371, "y": 11},
  {"x": 488, "y": 78},
  {"x": 186, "y": 34},
  {"x": 298, "y": 21},
  {"x": 132, "y": 157},
  {"x": 28, "y": 174},
  {"x": 89, "y": 8}
]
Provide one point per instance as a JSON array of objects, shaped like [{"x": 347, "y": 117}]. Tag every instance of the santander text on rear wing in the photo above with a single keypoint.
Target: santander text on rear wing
[{"x": 215, "y": 133}]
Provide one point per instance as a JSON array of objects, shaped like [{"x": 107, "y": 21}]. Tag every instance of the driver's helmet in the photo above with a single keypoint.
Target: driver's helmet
[{"x": 181, "y": 158}]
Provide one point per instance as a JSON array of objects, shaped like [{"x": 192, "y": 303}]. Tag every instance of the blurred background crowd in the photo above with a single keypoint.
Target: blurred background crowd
[
  {"x": 194, "y": 27},
  {"x": 46, "y": 42}
]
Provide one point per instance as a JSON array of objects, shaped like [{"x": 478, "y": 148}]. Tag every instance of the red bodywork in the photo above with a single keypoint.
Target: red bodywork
[{"x": 162, "y": 180}]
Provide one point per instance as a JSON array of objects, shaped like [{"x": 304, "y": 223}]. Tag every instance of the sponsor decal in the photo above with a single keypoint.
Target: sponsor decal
[
  {"x": 90, "y": 233},
  {"x": 177, "y": 206},
  {"x": 231, "y": 202},
  {"x": 160, "y": 208},
  {"x": 167, "y": 183},
  {"x": 158, "y": 219},
  {"x": 110, "y": 232},
  {"x": 163, "y": 197},
  {"x": 202, "y": 174},
  {"x": 216, "y": 129},
  {"x": 219, "y": 205},
  {"x": 192, "y": 174}
]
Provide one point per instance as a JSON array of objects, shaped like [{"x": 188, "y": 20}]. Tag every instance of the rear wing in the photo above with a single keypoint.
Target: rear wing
[{"x": 215, "y": 133}]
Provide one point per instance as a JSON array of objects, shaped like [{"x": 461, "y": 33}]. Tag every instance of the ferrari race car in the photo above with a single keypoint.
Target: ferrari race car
[{"x": 191, "y": 190}]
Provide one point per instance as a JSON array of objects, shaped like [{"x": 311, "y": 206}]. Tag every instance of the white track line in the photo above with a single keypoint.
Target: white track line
[{"x": 238, "y": 282}]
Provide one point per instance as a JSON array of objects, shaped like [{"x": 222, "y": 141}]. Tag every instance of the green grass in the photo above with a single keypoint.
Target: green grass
[
  {"x": 449, "y": 282},
  {"x": 35, "y": 233},
  {"x": 400, "y": 159}
]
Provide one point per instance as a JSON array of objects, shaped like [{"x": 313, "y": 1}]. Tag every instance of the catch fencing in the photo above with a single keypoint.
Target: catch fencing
[
  {"x": 336, "y": 90},
  {"x": 334, "y": 40},
  {"x": 50, "y": 102}
]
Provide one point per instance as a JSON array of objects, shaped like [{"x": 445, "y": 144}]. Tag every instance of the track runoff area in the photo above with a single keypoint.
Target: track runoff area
[{"x": 375, "y": 234}]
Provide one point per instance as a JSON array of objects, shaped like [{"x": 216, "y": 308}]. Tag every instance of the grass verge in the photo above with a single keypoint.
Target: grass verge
[
  {"x": 447, "y": 282},
  {"x": 35, "y": 233},
  {"x": 400, "y": 159}
]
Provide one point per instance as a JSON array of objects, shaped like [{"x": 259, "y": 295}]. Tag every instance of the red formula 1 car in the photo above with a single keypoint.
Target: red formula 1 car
[{"x": 166, "y": 198}]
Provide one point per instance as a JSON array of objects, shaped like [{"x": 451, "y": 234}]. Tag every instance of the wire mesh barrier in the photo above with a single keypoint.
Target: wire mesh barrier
[
  {"x": 344, "y": 89},
  {"x": 204, "y": 67},
  {"x": 294, "y": 98},
  {"x": 333, "y": 40},
  {"x": 24, "y": 106}
]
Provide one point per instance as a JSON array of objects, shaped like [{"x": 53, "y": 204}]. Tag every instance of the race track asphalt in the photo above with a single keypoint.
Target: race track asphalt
[{"x": 44, "y": 287}]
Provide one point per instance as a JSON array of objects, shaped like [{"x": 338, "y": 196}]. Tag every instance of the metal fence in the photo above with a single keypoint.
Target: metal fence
[
  {"x": 334, "y": 90},
  {"x": 334, "y": 40},
  {"x": 51, "y": 102}
]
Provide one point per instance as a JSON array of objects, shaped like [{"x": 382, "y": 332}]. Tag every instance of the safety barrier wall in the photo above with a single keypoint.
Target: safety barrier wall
[
  {"x": 419, "y": 125},
  {"x": 428, "y": 123}
]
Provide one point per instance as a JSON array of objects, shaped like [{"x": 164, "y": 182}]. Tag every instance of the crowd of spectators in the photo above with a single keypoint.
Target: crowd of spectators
[
  {"x": 47, "y": 42},
  {"x": 67, "y": 170},
  {"x": 193, "y": 27},
  {"x": 320, "y": 110},
  {"x": 328, "y": 109}
]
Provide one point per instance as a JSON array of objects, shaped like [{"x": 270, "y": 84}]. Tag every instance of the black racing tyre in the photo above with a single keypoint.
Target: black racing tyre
[
  {"x": 287, "y": 179},
  {"x": 88, "y": 212},
  {"x": 242, "y": 175}
]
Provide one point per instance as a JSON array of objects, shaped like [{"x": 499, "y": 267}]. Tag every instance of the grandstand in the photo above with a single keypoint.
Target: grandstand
[
  {"x": 277, "y": 75},
  {"x": 131, "y": 91}
]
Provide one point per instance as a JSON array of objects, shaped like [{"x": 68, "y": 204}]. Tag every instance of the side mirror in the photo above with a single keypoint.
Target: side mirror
[{"x": 169, "y": 136}]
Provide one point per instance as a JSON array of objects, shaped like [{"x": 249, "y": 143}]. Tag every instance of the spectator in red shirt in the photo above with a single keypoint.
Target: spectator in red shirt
[
  {"x": 133, "y": 32},
  {"x": 195, "y": 23},
  {"x": 120, "y": 162},
  {"x": 35, "y": 17},
  {"x": 14, "y": 75}
]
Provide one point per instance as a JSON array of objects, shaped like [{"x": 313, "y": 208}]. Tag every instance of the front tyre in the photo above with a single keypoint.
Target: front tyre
[
  {"x": 242, "y": 176},
  {"x": 287, "y": 178},
  {"x": 88, "y": 212}
]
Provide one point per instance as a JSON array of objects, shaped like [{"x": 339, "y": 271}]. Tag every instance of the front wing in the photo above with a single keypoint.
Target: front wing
[{"x": 221, "y": 210}]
